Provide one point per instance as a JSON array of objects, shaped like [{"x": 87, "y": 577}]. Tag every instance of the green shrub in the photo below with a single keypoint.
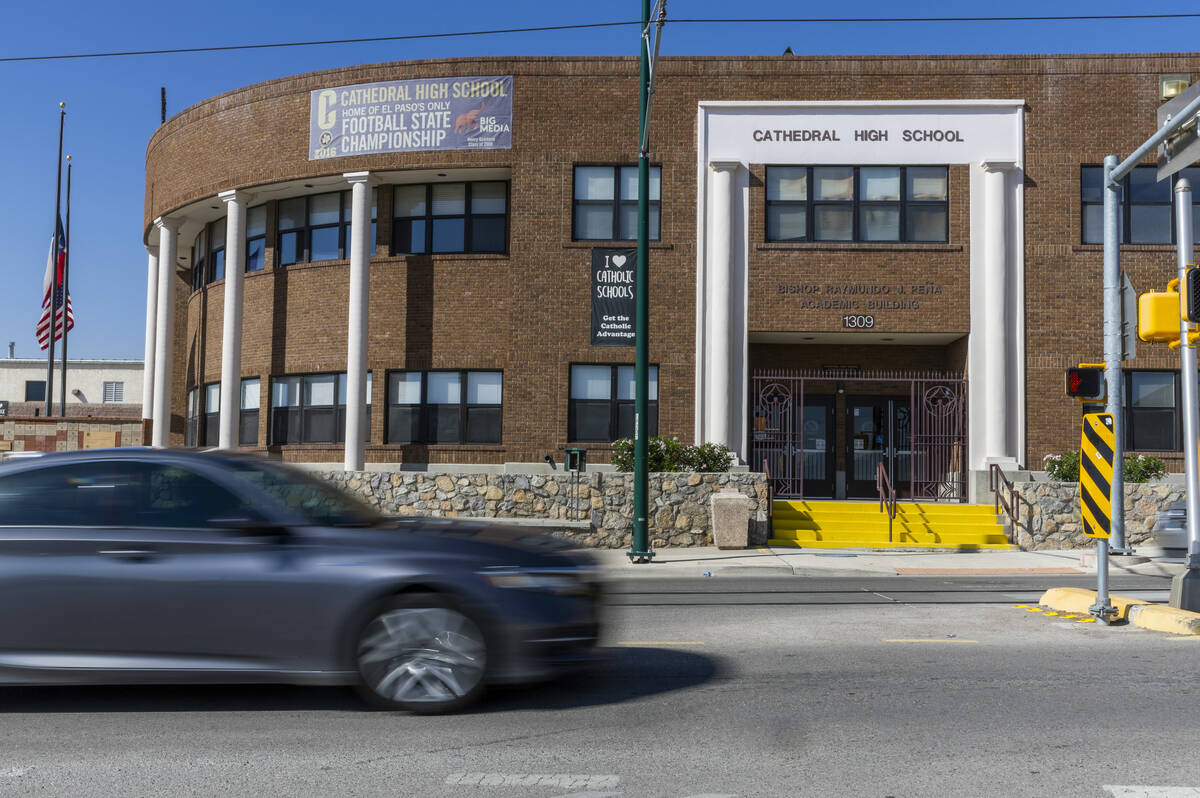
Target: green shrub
[
  {"x": 1140, "y": 468},
  {"x": 1062, "y": 467},
  {"x": 668, "y": 454},
  {"x": 1137, "y": 467}
]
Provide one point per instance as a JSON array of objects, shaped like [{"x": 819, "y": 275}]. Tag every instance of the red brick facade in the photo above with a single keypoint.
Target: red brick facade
[{"x": 527, "y": 312}]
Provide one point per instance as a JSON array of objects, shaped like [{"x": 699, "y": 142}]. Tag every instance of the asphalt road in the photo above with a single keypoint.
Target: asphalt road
[{"x": 747, "y": 688}]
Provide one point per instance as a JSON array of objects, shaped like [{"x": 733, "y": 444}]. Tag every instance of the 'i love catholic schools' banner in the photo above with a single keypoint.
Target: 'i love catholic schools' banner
[
  {"x": 613, "y": 296},
  {"x": 473, "y": 113}
]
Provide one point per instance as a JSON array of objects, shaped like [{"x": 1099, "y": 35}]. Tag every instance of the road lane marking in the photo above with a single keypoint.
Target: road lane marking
[
  {"x": 929, "y": 640},
  {"x": 1140, "y": 791},
  {"x": 659, "y": 643}
]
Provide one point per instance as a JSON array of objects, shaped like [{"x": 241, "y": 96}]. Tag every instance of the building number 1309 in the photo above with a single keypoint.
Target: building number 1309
[{"x": 858, "y": 322}]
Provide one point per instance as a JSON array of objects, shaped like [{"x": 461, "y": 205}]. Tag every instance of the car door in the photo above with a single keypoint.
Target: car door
[{"x": 118, "y": 566}]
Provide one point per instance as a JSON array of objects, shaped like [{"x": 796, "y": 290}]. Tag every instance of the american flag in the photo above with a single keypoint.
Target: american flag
[{"x": 56, "y": 260}]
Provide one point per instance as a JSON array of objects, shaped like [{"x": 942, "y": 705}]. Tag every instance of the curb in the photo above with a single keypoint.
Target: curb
[
  {"x": 1166, "y": 619},
  {"x": 1154, "y": 617},
  {"x": 1079, "y": 601}
]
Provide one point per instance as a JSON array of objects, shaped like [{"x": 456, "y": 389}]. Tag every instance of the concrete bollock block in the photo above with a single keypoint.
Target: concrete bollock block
[{"x": 730, "y": 520}]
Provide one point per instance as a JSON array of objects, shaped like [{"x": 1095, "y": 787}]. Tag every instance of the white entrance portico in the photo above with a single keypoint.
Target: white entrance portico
[{"x": 985, "y": 135}]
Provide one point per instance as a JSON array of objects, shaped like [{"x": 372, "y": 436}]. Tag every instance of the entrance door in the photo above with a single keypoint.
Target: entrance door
[
  {"x": 815, "y": 455},
  {"x": 877, "y": 431}
]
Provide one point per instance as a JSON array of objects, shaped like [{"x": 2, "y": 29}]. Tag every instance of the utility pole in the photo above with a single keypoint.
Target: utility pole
[{"x": 640, "y": 551}]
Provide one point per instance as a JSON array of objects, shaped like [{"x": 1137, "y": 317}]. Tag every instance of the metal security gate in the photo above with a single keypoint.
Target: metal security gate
[{"x": 797, "y": 431}]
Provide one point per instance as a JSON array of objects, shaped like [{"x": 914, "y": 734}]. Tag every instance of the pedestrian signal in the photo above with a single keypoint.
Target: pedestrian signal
[
  {"x": 1189, "y": 301},
  {"x": 1085, "y": 382}
]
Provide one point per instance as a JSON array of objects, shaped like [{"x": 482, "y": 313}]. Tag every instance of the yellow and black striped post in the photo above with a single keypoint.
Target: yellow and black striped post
[{"x": 1096, "y": 473}]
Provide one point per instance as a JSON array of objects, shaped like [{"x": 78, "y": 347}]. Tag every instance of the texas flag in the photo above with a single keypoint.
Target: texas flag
[{"x": 55, "y": 261}]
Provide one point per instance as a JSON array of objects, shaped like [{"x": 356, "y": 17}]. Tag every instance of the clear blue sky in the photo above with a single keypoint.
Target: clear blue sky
[{"x": 113, "y": 103}]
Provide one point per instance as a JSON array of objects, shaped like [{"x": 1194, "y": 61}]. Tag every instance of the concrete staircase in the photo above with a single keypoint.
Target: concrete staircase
[{"x": 861, "y": 525}]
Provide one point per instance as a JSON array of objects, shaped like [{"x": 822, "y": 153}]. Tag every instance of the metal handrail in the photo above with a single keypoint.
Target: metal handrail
[
  {"x": 770, "y": 496},
  {"x": 887, "y": 497},
  {"x": 1012, "y": 507}
]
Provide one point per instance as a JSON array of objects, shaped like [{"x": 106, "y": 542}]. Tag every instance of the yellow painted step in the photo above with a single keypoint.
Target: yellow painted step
[{"x": 897, "y": 544}]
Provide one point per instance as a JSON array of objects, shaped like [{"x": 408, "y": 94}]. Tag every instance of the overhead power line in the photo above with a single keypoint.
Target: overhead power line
[{"x": 595, "y": 25}]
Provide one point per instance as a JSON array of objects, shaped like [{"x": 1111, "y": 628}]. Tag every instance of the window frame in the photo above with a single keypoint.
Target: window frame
[
  {"x": 338, "y": 410},
  {"x": 245, "y": 413},
  {"x": 210, "y": 427},
  {"x": 117, "y": 392},
  {"x": 31, "y": 383},
  {"x": 426, "y": 419},
  {"x": 1130, "y": 411},
  {"x": 856, "y": 205},
  {"x": 1126, "y": 207},
  {"x": 617, "y": 202},
  {"x": 305, "y": 232},
  {"x": 615, "y": 403},
  {"x": 468, "y": 216},
  {"x": 191, "y": 416}
]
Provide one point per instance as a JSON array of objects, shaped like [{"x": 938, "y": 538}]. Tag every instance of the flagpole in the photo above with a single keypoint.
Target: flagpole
[
  {"x": 62, "y": 408},
  {"x": 62, "y": 114}
]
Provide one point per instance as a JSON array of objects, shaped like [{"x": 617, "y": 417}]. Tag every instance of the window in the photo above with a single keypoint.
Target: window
[
  {"x": 35, "y": 390},
  {"x": 114, "y": 392},
  {"x": 312, "y": 409},
  {"x": 248, "y": 416},
  {"x": 445, "y": 406},
  {"x": 256, "y": 238},
  {"x": 857, "y": 203},
  {"x": 191, "y": 420},
  {"x": 450, "y": 218},
  {"x": 199, "y": 258},
  {"x": 317, "y": 227},
  {"x": 606, "y": 203},
  {"x": 1147, "y": 214},
  {"x": 212, "y": 414},
  {"x": 1151, "y": 423},
  {"x": 125, "y": 493},
  {"x": 602, "y": 403}
]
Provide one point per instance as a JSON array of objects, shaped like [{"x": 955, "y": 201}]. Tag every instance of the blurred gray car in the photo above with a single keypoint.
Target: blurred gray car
[
  {"x": 1170, "y": 530},
  {"x": 139, "y": 565}
]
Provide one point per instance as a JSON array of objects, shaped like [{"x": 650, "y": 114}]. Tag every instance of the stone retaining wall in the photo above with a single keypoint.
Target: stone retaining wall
[
  {"x": 679, "y": 509},
  {"x": 1050, "y": 513}
]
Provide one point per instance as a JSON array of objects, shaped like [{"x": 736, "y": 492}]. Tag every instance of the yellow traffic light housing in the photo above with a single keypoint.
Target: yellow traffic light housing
[{"x": 1158, "y": 315}]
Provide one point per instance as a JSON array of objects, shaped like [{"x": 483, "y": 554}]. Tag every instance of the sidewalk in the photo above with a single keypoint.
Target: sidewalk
[{"x": 709, "y": 561}]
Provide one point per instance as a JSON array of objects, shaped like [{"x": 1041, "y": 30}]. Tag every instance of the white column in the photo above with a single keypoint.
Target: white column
[
  {"x": 356, "y": 328},
  {"x": 164, "y": 338},
  {"x": 151, "y": 312},
  {"x": 720, "y": 374},
  {"x": 997, "y": 366},
  {"x": 231, "y": 339}
]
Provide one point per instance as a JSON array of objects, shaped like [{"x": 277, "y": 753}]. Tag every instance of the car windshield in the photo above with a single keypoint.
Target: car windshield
[{"x": 315, "y": 500}]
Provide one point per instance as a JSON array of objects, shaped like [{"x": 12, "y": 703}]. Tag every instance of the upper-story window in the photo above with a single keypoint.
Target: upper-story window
[
  {"x": 317, "y": 227},
  {"x": 857, "y": 203},
  {"x": 606, "y": 203},
  {"x": 1147, "y": 216},
  {"x": 208, "y": 250},
  {"x": 256, "y": 238},
  {"x": 114, "y": 391},
  {"x": 450, "y": 218}
]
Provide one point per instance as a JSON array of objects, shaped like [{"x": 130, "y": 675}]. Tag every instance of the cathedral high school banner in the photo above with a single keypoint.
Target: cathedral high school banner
[{"x": 411, "y": 116}]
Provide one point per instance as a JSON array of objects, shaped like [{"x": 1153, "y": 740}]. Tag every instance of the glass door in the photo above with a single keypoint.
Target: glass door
[
  {"x": 877, "y": 431},
  {"x": 815, "y": 455}
]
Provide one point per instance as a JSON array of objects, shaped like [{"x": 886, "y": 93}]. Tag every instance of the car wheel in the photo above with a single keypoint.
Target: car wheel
[{"x": 421, "y": 654}]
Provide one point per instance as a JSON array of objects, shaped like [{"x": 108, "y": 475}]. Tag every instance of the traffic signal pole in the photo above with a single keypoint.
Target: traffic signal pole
[
  {"x": 1185, "y": 588},
  {"x": 1113, "y": 355}
]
